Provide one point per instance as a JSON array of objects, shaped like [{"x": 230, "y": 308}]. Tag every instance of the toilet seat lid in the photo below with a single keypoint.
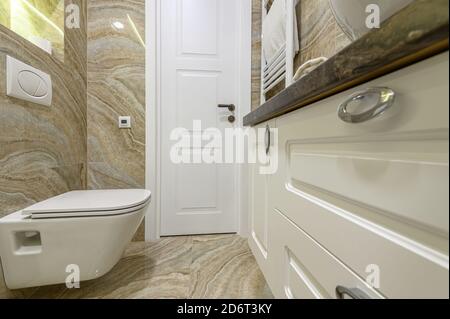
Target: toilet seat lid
[{"x": 91, "y": 201}]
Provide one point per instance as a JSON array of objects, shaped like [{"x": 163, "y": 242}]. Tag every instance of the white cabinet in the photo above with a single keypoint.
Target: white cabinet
[{"x": 363, "y": 206}]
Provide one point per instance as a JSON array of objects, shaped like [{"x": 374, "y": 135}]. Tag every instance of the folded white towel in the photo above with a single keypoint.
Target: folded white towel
[
  {"x": 308, "y": 67},
  {"x": 274, "y": 30}
]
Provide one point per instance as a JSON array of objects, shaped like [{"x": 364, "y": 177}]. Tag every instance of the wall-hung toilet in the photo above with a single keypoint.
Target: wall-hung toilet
[{"x": 86, "y": 230}]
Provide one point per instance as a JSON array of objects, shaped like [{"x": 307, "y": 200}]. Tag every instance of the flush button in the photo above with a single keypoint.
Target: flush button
[
  {"x": 42, "y": 90},
  {"x": 29, "y": 82}
]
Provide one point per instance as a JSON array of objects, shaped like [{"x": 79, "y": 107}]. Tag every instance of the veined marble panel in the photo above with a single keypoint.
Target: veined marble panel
[
  {"x": 320, "y": 35},
  {"x": 116, "y": 87},
  {"x": 43, "y": 149},
  {"x": 256, "y": 52},
  {"x": 196, "y": 267},
  {"x": 23, "y": 183}
]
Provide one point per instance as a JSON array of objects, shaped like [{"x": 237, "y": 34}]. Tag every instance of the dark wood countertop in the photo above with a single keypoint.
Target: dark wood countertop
[{"x": 417, "y": 32}]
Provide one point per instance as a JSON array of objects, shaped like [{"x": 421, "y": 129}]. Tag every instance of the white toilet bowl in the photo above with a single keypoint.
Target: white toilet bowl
[{"x": 88, "y": 231}]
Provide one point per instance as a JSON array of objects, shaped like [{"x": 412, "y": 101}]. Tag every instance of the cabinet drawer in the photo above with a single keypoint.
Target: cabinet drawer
[
  {"x": 376, "y": 193},
  {"x": 302, "y": 269},
  {"x": 396, "y": 163},
  {"x": 420, "y": 106},
  {"x": 408, "y": 269}
]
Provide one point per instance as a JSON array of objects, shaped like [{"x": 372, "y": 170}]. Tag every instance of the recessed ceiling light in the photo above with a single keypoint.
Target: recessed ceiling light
[{"x": 118, "y": 25}]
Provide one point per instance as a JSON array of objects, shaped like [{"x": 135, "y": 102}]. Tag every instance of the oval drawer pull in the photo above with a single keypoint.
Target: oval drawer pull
[
  {"x": 353, "y": 293},
  {"x": 373, "y": 102}
]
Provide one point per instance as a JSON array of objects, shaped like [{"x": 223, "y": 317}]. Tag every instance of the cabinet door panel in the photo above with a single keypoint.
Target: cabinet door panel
[{"x": 260, "y": 200}]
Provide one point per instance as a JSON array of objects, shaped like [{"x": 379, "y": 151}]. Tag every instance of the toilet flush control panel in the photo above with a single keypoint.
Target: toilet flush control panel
[{"x": 27, "y": 83}]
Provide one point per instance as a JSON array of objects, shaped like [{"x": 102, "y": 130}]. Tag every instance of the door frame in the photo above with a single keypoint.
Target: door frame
[{"x": 153, "y": 113}]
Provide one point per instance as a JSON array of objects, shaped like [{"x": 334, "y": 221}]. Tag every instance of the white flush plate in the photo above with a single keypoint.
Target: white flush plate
[{"x": 28, "y": 83}]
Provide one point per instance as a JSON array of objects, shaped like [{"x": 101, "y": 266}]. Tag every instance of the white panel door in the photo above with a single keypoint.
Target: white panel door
[{"x": 198, "y": 72}]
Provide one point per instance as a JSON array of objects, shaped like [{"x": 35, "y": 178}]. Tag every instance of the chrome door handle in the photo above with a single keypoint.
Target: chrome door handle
[
  {"x": 353, "y": 293},
  {"x": 373, "y": 101},
  {"x": 268, "y": 139}
]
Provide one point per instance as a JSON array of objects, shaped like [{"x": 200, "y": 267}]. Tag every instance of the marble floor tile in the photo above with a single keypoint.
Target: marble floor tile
[
  {"x": 224, "y": 267},
  {"x": 199, "y": 267}
]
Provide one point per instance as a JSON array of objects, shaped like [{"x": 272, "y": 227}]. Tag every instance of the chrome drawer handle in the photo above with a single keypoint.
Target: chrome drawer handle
[
  {"x": 381, "y": 98},
  {"x": 353, "y": 293},
  {"x": 268, "y": 139}
]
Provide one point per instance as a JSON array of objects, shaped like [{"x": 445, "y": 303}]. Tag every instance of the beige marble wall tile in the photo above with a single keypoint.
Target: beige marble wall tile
[
  {"x": 116, "y": 87},
  {"x": 256, "y": 52},
  {"x": 320, "y": 34},
  {"x": 36, "y": 140},
  {"x": 22, "y": 184}
]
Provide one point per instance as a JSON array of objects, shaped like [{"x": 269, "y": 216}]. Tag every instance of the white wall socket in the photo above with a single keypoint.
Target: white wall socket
[{"x": 124, "y": 121}]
